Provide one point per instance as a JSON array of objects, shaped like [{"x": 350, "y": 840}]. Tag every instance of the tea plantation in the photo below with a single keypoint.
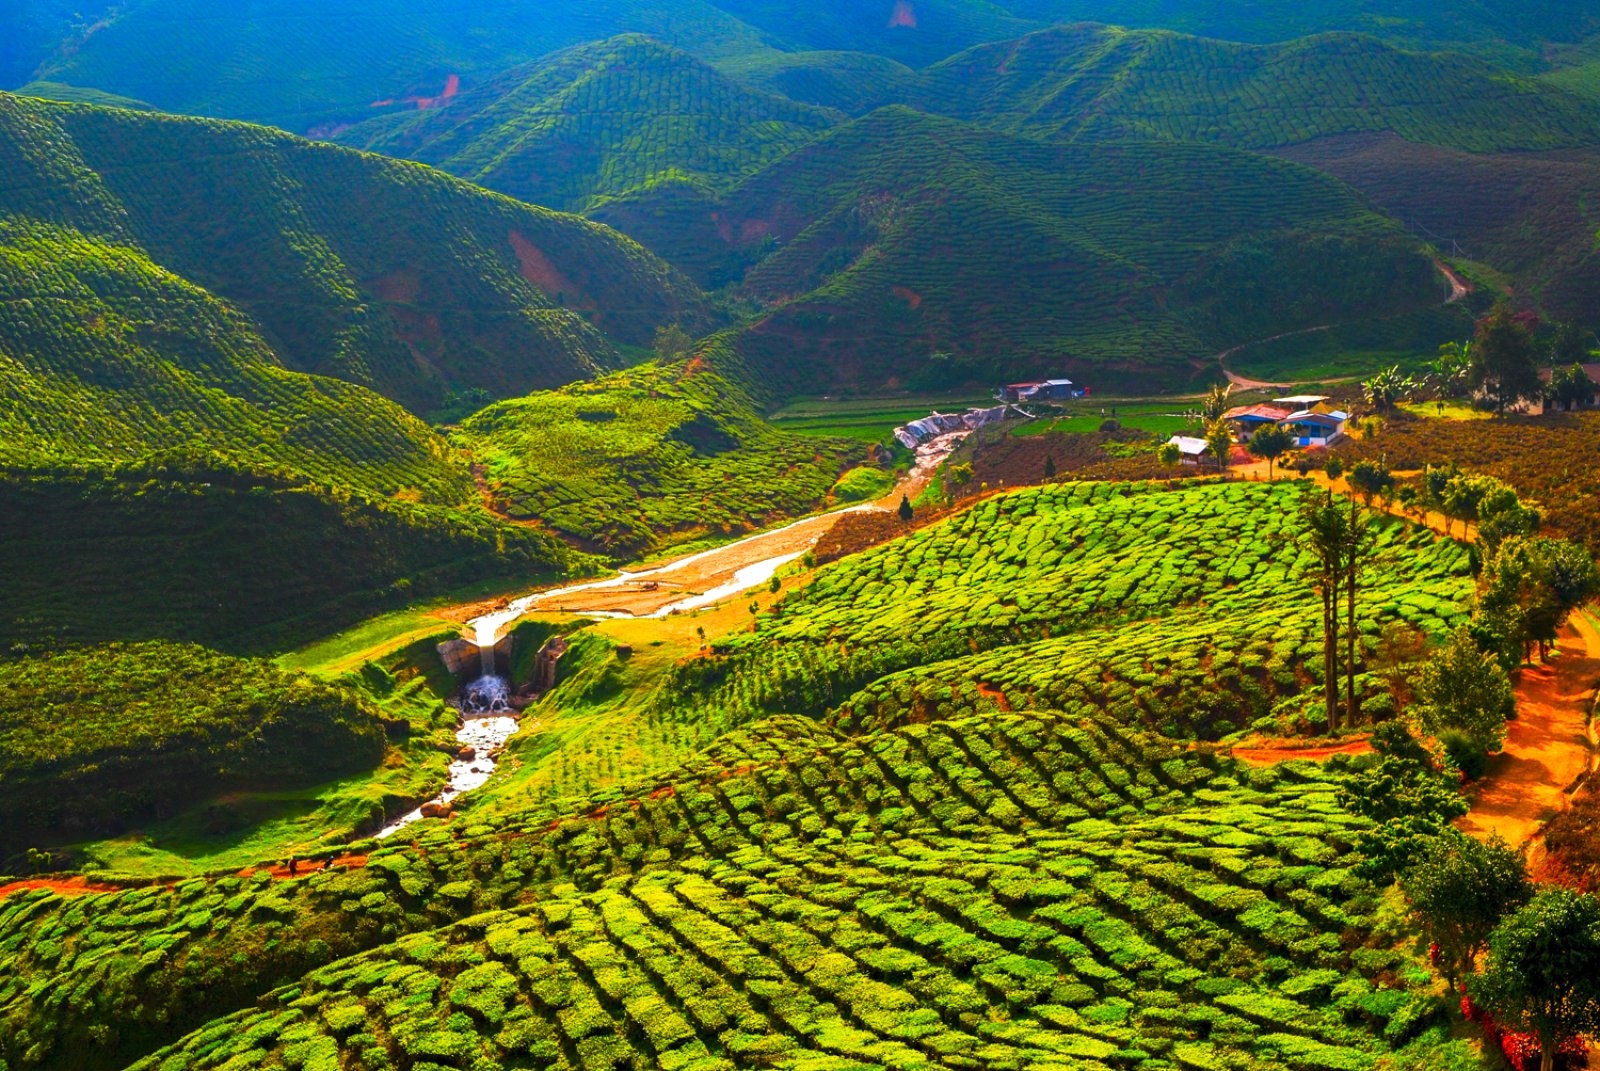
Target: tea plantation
[
  {"x": 903, "y": 235},
  {"x": 92, "y": 741},
  {"x": 620, "y": 115},
  {"x": 1027, "y": 890},
  {"x": 658, "y": 455},
  {"x": 1094, "y": 81},
  {"x": 1188, "y": 608},
  {"x": 379, "y": 273}
]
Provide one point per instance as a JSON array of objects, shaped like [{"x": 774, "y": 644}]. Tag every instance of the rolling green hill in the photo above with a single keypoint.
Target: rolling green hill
[
  {"x": 196, "y": 547},
  {"x": 32, "y": 30},
  {"x": 599, "y": 121},
  {"x": 1183, "y": 609},
  {"x": 1529, "y": 215},
  {"x": 851, "y": 82},
  {"x": 1088, "y": 80},
  {"x": 388, "y": 275},
  {"x": 901, "y": 236},
  {"x": 92, "y": 741},
  {"x": 274, "y": 62},
  {"x": 648, "y": 458},
  {"x": 1519, "y": 35},
  {"x": 168, "y": 287}
]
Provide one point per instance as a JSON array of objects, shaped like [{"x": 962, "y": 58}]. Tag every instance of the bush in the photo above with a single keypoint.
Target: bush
[{"x": 1466, "y": 754}]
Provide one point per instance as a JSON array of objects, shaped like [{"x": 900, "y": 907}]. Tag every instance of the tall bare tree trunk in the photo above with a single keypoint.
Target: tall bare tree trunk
[
  {"x": 1352, "y": 568},
  {"x": 1330, "y": 654}
]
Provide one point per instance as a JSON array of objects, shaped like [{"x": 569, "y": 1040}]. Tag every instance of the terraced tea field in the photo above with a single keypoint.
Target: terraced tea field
[
  {"x": 1188, "y": 608},
  {"x": 1015, "y": 891}
]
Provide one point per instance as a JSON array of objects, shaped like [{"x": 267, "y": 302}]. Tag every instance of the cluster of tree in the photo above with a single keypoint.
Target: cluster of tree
[
  {"x": 1501, "y": 365},
  {"x": 1492, "y": 504},
  {"x": 1530, "y": 956}
]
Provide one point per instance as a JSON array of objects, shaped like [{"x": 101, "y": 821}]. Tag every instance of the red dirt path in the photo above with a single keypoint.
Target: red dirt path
[
  {"x": 1547, "y": 746},
  {"x": 1271, "y": 756},
  {"x": 64, "y": 886}
]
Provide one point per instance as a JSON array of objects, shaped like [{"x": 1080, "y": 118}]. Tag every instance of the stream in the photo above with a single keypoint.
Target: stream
[{"x": 486, "y": 725}]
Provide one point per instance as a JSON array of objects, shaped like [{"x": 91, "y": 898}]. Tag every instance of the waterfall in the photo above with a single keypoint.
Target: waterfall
[{"x": 485, "y": 639}]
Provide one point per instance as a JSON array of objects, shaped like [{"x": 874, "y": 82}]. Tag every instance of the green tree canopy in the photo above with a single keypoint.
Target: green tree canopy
[
  {"x": 1459, "y": 891},
  {"x": 1505, "y": 364},
  {"x": 1219, "y": 442},
  {"x": 1461, "y": 688},
  {"x": 1269, "y": 444},
  {"x": 1571, "y": 387},
  {"x": 1543, "y": 971}
]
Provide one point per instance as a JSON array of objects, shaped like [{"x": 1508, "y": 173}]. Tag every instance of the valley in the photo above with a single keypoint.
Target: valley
[{"x": 705, "y": 535}]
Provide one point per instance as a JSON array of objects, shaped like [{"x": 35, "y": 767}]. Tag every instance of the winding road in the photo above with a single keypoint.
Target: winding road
[{"x": 1459, "y": 289}]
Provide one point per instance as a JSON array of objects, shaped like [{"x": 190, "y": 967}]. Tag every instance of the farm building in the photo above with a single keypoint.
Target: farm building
[
  {"x": 1246, "y": 420},
  {"x": 1048, "y": 390},
  {"x": 1316, "y": 429},
  {"x": 1193, "y": 451}
]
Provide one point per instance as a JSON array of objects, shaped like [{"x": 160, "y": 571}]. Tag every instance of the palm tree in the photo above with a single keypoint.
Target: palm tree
[{"x": 1216, "y": 402}]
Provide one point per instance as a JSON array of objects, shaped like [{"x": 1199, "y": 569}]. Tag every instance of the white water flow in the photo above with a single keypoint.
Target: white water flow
[{"x": 488, "y": 721}]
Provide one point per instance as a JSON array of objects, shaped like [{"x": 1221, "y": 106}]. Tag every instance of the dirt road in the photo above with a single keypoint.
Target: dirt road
[{"x": 1547, "y": 746}]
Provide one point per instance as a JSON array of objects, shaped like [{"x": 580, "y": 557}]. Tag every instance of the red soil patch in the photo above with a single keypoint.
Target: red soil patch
[
  {"x": 403, "y": 286},
  {"x": 1285, "y": 751},
  {"x": 909, "y": 296},
  {"x": 1547, "y": 748},
  {"x": 61, "y": 886},
  {"x": 539, "y": 270},
  {"x": 989, "y": 691}
]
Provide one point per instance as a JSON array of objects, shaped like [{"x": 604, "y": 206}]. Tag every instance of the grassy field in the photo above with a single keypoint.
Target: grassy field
[
  {"x": 1161, "y": 419},
  {"x": 870, "y": 420}
]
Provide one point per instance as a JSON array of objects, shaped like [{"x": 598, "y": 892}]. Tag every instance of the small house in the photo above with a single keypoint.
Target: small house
[
  {"x": 1316, "y": 429},
  {"x": 1048, "y": 390},
  {"x": 1246, "y": 420},
  {"x": 1192, "y": 451}
]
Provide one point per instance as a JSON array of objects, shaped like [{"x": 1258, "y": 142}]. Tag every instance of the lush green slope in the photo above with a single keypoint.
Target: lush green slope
[
  {"x": 93, "y": 740},
  {"x": 1519, "y": 34},
  {"x": 649, "y": 457},
  {"x": 1090, "y": 80},
  {"x": 1188, "y": 609},
  {"x": 901, "y": 235},
  {"x": 1021, "y": 890},
  {"x": 379, "y": 273},
  {"x": 598, "y": 121},
  {"x": 31, "y": 30},
  {"x": 851, "y": 82},
  {"x": 196, "y": 548},
  {"x": 1529, "y": 215},
  {"x": 916, "y": 32},
  {"x": 275, "y": 62}
]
